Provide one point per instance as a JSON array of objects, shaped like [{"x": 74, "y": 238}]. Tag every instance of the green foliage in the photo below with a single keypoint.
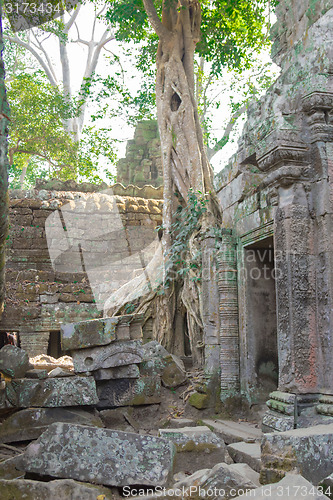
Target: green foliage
[
  {"x": 37, "y": 139},
  {"x": 39, "y": 142},
  {"x": 186, "y": 221}
]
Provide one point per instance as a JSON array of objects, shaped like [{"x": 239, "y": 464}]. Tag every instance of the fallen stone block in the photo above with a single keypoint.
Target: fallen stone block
[
  {"x": 35, "y": 373},
  {"x": 60, "y": 372},
  {"x": 129, "y": 392},
  {"x": 194, "y": 444},
  {"x": 25, "y": 489},
  {"x": 233, "y": 432},
  {"x": 248, "y": 453},
  {"x": 50, "y": 392},
  {"x": 199, "y": 400},
  {"x": 29, "y": 424},
  {"x": 292, "y": 486},
  {"x": 170, "y": 367},
  {"x": 95, "y": 332},
  {"x": 128, "y": 371},
  {"x": 226, "y": 481},
  {"x": 102, "y": 456},
  {"x": 117, "y": 354},
  {"x": 306, "y": 451},
  {"x": 178, "y": 423},
  {"x": 14, "y": 362},
  {"x": 199, "y": 438},
  {"x": 8, "y": 469}
]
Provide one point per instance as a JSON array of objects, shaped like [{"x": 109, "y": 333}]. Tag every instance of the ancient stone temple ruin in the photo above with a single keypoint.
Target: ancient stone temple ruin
[{"x": 277, "y": 198}]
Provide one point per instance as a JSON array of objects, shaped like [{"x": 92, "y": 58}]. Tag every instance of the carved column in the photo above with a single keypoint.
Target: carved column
[{"x": 229, "y": 336}]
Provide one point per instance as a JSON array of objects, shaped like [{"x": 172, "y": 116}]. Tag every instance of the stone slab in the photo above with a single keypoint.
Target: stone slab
[
  {"x": 233, "y": 432},
  {"x": 25, "y": 489},
  {"x": 128, "y": 371},
  {"x": 231, "y": 479},
  {"x": 14, "y": 362},
  {"x": 30, "y": 423},
  {"x": 49, "y": 393},
  {"x": 104, "y": 456},
  {"x": 274, "y": 421},
  {"x": 248, "y": 453},
  {"x": 307, "y": 451},
  {"x": 8, "y": 468},
  {"x": 129, "y": 392},
  {"x": 178, "y": 423},
  {"x": 293, "y": 486},
  {"x": 95, "y": 332},
  {"x": 199, "y": 438},
  {"x": 117, "y": 354}
]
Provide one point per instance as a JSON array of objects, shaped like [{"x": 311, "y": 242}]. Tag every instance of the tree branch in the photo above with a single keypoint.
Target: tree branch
[
  {"x": 160, "y": 30},
  {"x": 72, "y": 19},
  {"x": 26, "y": 46}
]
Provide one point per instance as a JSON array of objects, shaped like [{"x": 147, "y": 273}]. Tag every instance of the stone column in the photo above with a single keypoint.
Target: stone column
[{"x": 229, "y": 334}]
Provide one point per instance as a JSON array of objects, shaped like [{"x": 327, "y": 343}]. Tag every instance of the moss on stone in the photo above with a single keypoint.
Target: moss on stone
[{"x": 199, "y": 401}]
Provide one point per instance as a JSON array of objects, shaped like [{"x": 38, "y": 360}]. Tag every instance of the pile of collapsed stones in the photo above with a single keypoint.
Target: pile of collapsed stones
[{"x": 73, "y": 456}]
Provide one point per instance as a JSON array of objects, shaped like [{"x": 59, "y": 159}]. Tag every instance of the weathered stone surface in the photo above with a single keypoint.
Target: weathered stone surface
[
  {"x": 199, "y": 438},
  {"x": 292, "y": 486},
  {"x": 60, "y": 372},
  {"x": 8, "y": 468},
  {"x": 170, "y": 367},
  {"x": 51, "y": 392},
  {"x": 248, "y": 453},
  {"x": 31, "y": 423},
  {"x": 35, "y": 373},
  {"x": 233, "y": 432},
  {"x": 129, "y": 392},
  {"x": 304, "y": 451},
  {"x": 199, "y": 401},
  {"x": 14, "y": 362},
  {"x": 95, "y": 332},
  {"x": 178, "y": 423},
  {"x": 23, "y": 489},
  {"x": 225, "y": 481},
  {"x": 127, "y": 371},
  {"x": 103, "y": 456},
  {"x": 117, "y": 354},
  {"x": 327, "y": 485}
]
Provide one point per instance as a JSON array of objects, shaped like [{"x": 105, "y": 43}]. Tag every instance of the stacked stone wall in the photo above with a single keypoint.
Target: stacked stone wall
[{"x": 38, "y": 297}]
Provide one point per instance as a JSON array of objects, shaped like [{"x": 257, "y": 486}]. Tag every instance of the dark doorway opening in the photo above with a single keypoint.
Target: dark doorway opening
[
  {"x": 261, "y": 320},
  {"x": 54, "y": 348}
]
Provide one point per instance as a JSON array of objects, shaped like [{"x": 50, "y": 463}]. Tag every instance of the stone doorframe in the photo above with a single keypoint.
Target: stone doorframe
[{"x": 254, "y": 236}]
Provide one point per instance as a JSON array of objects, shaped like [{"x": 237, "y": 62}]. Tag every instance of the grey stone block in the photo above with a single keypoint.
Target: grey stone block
[
  {"x": 95, "y": 332},
  {"x": 51, "y": 392},
  {"x": 102, "y": 456},
  {"x": 129, "y": 392},
  {"x": 117, "y": 354},
  {"x": 128, "y": 371},
  {"x": 14, "y": 362},
  {"x": 248, "y": 453}
]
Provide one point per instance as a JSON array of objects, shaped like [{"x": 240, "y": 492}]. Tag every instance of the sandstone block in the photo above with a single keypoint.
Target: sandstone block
[
  {"x": 102, "y": 456},
  {"x": 248, "y": 453},
  {"x": 307, "y": 451},
  {"x": 127, "y": 371},
  {"x": 30, "y": 423},
  {"x": 14, "y": 362},
  {"x": 292, "y": 486},
  {"x": 117, "y": 354},
  {"x": 129, "y": 392},
  {"x": 24, "y": 489},
  {"x": 95, "y": 332},
  {"x": 51, "y": 392},
  {"x": 199, "y": 438}
]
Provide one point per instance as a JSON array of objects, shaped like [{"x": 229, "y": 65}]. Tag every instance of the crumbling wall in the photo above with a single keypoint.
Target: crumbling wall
[
  {"x": 142, "y": 164},
  {"x": 38, "y": 297}
]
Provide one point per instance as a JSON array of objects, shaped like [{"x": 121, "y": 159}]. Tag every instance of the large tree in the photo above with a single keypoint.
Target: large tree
[{"x": 225, "y": 32}]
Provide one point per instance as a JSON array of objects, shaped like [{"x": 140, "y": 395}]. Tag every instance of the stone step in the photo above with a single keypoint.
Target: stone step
[
  {"x": 248, "y": 453},
  {"x": 234, "y": 432}
]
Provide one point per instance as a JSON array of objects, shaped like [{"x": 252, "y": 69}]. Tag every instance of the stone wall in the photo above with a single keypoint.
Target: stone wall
[
  {"x": 142, "y": 164},
  {"x": 279, "y": 185},
  {"x": 39, "y": 296}
]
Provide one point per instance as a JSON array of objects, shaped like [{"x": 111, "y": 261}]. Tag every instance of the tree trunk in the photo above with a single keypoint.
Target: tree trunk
[
  {"x": 4, "y": 112},
  {"x": 185, "y": 163}
]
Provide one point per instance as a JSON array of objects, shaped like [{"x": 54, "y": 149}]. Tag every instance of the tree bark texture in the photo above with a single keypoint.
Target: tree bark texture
[
  {"x": 185, "y": 164},
  {"x": 4, "y": 118}
]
